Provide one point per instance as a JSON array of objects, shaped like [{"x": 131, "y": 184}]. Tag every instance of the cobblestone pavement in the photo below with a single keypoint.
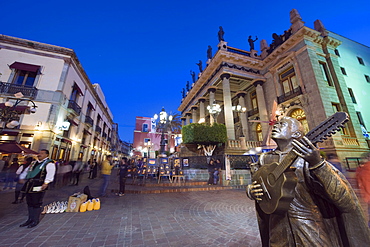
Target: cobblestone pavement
[{"x": 203, "y": 218}]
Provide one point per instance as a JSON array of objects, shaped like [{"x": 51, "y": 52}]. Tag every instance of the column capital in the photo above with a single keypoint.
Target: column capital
[
  {"x": 258, "y": 82},
  {"x": 241, "y": 93},
  {"x": 194, "y": 107},
  {"x": 202, "y": 99},
  {"x": 187, "y": 113},
  {"x": 212, "y": 89},
  {"x": 225, "y": 75}
]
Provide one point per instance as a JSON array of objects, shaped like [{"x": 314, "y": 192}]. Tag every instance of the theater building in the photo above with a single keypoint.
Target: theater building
[{"x": 306, "y": 73}]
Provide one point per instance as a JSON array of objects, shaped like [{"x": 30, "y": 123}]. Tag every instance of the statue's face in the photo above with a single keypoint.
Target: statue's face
[{"x": 284, "y": 129}]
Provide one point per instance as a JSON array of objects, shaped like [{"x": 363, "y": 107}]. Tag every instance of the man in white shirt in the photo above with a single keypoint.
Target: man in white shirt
[{"x": 37, "y": 178}]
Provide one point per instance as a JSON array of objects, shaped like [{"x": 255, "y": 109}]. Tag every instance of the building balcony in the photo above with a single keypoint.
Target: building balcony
[
  {"x": 98, "y": 129},
  {"x": 11, "y": 89},
  {"x": 75, "y": 107},
  {"x": 252, "y": 112},
  {"x": 290, "y": 95},
  {"x": 104, "y": 135},
  {"x": 89, "y": 121}
]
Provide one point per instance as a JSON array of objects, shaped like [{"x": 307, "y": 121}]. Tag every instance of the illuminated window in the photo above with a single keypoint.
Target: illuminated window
[
  {"x": 288, "y": 81},
  {"x": 325, "y": 73},
  {"x": 300, "y": 115},
  {"x": 259, "y": 132}
]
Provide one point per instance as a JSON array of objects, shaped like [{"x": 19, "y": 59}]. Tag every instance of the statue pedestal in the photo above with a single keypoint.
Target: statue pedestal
[
  {"x": 254, "y": 53},
  {"x": 208, "y": 61},
  {"x": 222, "y": 45}
]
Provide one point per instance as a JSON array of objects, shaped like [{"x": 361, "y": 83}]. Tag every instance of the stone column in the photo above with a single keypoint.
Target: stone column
[
  {"x": 261, "y": 105},
  {"x": 187, "y": 118},
  {"x": 211, "y": 91},
  {"x": 183, "y": 121},
  {"x": 194, "y": 113},
  {"x": 243, "y": 115},
  {"x": 202, "y": 114},
  {"x": 228, "y": 112}
]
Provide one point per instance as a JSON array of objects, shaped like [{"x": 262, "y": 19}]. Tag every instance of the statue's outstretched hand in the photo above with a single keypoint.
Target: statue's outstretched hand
[
  {"x": 306, "y": 150},
  {"x": 254, "y": 191}
]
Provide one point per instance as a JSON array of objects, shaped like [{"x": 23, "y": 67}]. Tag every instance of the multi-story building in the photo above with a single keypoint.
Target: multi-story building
[
  {"x": 73, "y": 119},
  {"x": 147, "y": 138},
  {"x": 300, "y": 74}
]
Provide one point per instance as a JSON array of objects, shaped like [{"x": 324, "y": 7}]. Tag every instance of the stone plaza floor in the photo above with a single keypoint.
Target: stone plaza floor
[{"x": 199, "y": 218}]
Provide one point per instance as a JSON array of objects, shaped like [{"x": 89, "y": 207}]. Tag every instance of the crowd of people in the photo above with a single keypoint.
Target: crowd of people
[{"x": 31, "y": 176}]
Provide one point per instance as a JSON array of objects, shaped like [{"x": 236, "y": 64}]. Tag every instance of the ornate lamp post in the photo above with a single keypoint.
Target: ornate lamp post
[
  {"x": 239, "y": 109},
  {"x": 9, "y": 115},
  {"x": 164, "y": 122},
  {"x": 214, "y": 110}
]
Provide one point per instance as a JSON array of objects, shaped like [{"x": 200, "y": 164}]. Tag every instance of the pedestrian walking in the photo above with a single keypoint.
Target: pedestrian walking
[
  {"x": 211, "y": 170},
  {"x": 18, "y": 186},
  {"x": 106, "y": 171},
  {"x": 76, "y": 172},
  {"x": 217, "y": 171},
  {"x": 10, "y": 174}
]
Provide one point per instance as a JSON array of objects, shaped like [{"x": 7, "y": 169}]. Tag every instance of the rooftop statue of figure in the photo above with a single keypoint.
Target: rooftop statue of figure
[
  {"x": 221, "y": 34},
  {"x": 200, "y": 66},
  {"x": 251, "y": 42},
  {"x": 192, "y": 73},
  {"x": 209, "y": 52}
]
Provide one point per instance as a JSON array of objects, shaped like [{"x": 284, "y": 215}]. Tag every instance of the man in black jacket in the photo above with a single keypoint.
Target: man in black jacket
[
  {"x": 37, "y": 178},
  {"x": 122, "y": 172}
]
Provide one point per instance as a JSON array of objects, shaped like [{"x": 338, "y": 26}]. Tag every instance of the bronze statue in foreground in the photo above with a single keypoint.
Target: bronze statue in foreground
[{"x": 319, "y": 207}]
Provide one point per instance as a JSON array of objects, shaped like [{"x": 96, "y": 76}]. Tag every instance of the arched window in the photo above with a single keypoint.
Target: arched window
[
  {"x": 300, "y": 115},
  {"x": 259, "y": 132}
]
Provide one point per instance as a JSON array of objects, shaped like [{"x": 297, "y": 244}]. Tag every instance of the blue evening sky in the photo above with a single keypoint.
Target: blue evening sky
[{"x": 141, "y": 52}]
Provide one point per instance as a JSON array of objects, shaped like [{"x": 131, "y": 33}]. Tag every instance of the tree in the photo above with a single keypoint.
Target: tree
[{"x": 205, "y": 135}]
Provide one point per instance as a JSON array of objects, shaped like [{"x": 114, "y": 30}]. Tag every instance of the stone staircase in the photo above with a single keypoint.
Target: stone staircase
[{"x": 152, "y": 186}]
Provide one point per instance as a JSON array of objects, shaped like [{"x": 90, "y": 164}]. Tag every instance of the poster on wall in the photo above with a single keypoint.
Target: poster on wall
[{"x": 185, "y": 162}]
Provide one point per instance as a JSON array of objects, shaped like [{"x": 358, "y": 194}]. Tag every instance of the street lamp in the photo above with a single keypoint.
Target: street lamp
[
  {"x": 214, "y": 110},
  {"x": 164, "y": 122},
  {"x": 9, "y": 116},
  {"x": 239, "y": 109}
]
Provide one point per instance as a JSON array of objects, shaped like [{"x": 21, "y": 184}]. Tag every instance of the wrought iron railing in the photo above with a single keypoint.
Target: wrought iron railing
[
  {"x": 11, "y": 88},
  {"x": 98, "y": 129},
  {"x": 74, "y": 106},
  {"x": 252, "y": 112},
  {"x": 290, "y": 95},
  {"x": 89, "y": 120}
]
